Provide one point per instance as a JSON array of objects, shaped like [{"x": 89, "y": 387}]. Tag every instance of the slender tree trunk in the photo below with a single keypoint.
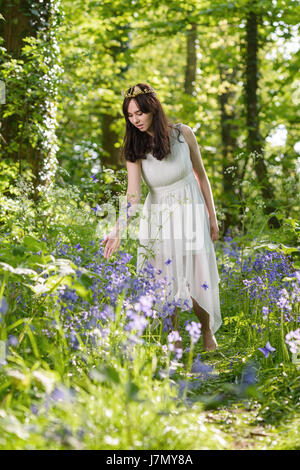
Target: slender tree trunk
[
  {"x": 191, "y": 60},
  {"x": 254, "y": 138},
  {"x": 229, "y": 146},
  {"x": 15, "y": 27}
]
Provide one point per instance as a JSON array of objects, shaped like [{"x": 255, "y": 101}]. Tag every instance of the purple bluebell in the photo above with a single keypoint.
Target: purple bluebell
[
  {"x": 248, "y": 375},
  {"x": 34, "y": 409},
  {"x": 136, "y": 323},
  {"x": 201, "y": 368},
  {"x": 145, "y": 304},
  {"x": 96, "y": 209},
  {"x": 194, "y": 330},
  {"x": 12, "y": 340},
  {"x": 268, "y": 349},
  {"x": 172, "y": 338},
  {"x": 62, "y": 393},
  {"x": 293, "y": 340},
  {"x": 3, "y": 305},
  {"x": 265, "y": 311}
]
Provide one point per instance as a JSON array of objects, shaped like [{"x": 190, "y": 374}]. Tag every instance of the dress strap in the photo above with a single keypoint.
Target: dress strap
[{"x": 177, "y": 126}]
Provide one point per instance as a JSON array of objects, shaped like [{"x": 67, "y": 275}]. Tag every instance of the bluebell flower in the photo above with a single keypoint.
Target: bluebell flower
[
  {"x": 34, "y": 409},
  {"x": 248, "y": 376},
  {"x": 96, "y": 209},
  {"x": 265, "y": 311},
  {"x": 137, "y": 323},
  {"x": 194, "y": 330},
  {"x": 293, "y": 340},
  {"x": 145, "y": 304},
  {"x": 62, "y": 393},
  {"x": 3, "y": 305},
  {"x": 201, "y": 368},
  {"x": 12, "y": 340},
  {"x": 268, "y": 349}
]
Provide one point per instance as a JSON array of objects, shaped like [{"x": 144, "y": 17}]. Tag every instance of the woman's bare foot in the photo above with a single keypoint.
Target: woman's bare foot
[{"x": 209, "y": 341}]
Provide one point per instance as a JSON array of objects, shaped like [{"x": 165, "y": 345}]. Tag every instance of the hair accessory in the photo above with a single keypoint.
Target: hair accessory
[{"x": 132, "y": 93}]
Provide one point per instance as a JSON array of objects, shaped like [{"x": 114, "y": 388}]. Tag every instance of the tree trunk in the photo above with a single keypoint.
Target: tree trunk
[
  {"x": 28, "y": 19},
  {"x": 254, "y": 138},
  {"x": 229, "y": 146},
  {"x": 191, "y": 60}
]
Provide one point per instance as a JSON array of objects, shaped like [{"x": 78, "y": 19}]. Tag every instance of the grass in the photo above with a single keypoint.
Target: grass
[{"x": 74, "y": 375}]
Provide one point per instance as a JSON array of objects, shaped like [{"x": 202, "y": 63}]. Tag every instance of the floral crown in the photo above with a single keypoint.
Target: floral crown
[{"x": 133, "y": 93}]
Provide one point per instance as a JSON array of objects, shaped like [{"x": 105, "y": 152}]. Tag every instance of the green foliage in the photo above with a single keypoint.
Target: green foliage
[
  {"x": 120, "y": 395},
  {"x": 31, "y": 83},
  {"x": 76, "y": 387}
]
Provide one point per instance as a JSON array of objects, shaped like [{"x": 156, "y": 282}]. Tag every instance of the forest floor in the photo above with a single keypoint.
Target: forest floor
[{"x": 244, "y": 419}]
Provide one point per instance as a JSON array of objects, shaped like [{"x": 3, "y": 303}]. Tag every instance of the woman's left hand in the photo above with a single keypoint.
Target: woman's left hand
[{"x": 214, "y": 230}]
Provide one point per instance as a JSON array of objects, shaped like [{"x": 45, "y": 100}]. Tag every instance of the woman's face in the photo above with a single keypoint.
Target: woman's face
[{"x": 142, "y": 121}]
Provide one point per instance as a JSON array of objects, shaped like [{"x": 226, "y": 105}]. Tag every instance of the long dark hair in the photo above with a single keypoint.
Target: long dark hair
[{"x": 137, "y": 144}]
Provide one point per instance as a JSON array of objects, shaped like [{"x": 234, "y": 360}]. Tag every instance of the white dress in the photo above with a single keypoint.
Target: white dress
[{"x": 174, "y": 231}]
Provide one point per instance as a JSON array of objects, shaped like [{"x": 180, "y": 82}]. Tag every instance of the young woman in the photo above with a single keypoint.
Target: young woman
[{"x": 178, "y": 224}]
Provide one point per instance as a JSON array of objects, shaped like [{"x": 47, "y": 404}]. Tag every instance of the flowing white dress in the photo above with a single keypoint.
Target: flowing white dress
[{"x": 174, "y": 231}]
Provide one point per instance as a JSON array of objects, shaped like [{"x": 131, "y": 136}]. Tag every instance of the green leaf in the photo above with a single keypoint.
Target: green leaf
[
  {"x": 4, "y": 267},
  {"x": 104, "y": 374},
  {"x": 33, "y": 244},
  {"x": 131, "y": 390},
  {"x": 18, "y": 250}
]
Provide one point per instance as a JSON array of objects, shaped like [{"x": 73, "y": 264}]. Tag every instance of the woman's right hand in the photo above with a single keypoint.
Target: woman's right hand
[{"x": 112, "y": 242}]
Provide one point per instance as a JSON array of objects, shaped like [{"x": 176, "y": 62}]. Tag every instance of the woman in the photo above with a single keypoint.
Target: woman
[{"x": 168, "y": 159}]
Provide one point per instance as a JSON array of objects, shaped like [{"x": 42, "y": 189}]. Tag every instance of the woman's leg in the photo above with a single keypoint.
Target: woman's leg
[{"x": 209, "y": 341}]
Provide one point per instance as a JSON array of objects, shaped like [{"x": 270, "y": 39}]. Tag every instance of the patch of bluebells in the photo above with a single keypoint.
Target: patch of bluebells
[
  {"x": 145, "y": 297},
  {"x": 263, "y": 278},
  {"x": 264, "y": 271},
  {"x": 266, "y": 283}
]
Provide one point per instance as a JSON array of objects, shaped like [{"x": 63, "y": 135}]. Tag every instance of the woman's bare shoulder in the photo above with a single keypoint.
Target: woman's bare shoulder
[{"x": 186, "y": 131}]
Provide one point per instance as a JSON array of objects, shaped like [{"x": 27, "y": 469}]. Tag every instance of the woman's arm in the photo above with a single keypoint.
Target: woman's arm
[
  {"x": 133, "y": 196},
  {"x": 202, "y": 178},
  {"x": 199, "y": 169},
  {"x": 133, "y": 193}
]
